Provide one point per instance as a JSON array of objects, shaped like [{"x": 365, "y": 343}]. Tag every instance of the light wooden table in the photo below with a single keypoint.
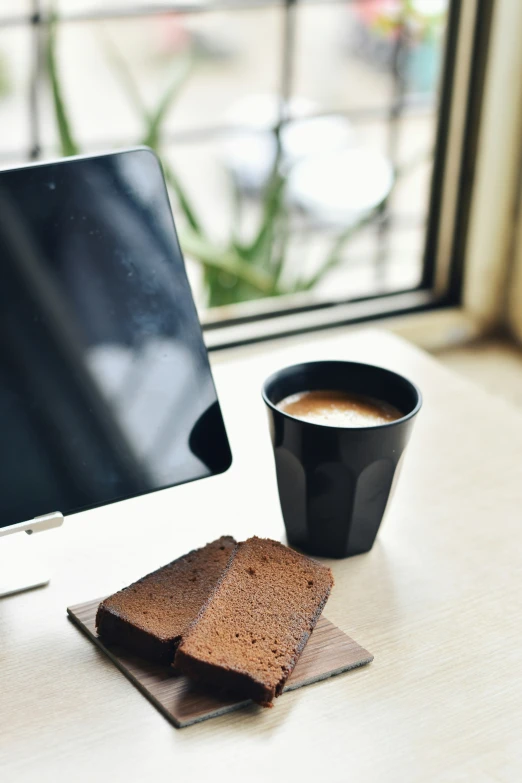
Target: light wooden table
[{"x": 438, "y": 601}]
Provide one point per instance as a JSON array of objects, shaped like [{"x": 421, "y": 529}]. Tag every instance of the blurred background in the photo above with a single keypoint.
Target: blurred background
[{"x": 297, "y": 137}]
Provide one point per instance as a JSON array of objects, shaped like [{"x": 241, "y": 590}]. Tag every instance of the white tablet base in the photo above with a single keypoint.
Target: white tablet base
[{"x": 21, "y": 565}]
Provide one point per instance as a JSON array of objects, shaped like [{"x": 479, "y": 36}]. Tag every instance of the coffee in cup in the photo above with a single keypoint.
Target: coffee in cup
[{"x": 337, "y": 408}]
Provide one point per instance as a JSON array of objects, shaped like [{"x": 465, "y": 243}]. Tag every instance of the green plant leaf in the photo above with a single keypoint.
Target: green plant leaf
[
  {"x": 152, "y": 123},
  {"x": 282, "y": 238},
  {"x": 156, "y": 118},
  {"x": 152, "y": 119},
  {"x": 124, "y": 73},
  {"x": 236, "y": 218},
  {"x": 68, "y": 144},
  {"x": 334, "y": 257},
  {"x": 259, "y": 250},
  {"x": 226, "y": 261},
  {"x": 183, "y": 199}
]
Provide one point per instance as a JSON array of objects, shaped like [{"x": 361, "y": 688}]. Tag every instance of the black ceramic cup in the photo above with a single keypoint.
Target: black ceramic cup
[{"x": 334, "y": 482}]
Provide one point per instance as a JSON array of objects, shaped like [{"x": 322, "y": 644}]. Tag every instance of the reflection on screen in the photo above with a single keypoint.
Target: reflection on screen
[{"x": 105, "y": 387}]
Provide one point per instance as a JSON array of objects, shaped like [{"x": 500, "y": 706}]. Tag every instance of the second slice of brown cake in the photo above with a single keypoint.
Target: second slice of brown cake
[
  {"x": 149, "y": 616},
  {"x": 254, "y": 627}
]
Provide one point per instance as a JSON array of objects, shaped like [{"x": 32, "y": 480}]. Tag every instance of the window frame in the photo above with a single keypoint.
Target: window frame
[{"x": 442, "y": 286}]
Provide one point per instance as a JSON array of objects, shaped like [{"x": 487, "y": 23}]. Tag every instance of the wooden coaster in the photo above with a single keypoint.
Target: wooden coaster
[{"x": 329, "y": 651}]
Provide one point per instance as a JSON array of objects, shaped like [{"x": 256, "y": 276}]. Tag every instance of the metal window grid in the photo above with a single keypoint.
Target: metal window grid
[{"x": 39, "y": 18}]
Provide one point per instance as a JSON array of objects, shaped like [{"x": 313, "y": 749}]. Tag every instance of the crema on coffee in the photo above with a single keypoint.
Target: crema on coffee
[{"x": 339, "y": 409}]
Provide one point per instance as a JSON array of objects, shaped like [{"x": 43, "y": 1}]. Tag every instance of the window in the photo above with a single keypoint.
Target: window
[{"x": 314, "y": 149}]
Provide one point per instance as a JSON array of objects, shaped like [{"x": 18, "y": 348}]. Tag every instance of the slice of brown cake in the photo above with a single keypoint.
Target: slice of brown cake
[
  {"x": 150, "y": 616},
  {"x": 250, "y": 634}
]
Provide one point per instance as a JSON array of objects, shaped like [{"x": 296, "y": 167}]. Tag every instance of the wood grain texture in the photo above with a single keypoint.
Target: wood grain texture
[
  {"x": 329, "y": 652},
  {"x": 438, "y": 601}
]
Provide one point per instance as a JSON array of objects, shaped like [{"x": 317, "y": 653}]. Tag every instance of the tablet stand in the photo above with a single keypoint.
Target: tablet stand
[{"x": 21, "y": 565}]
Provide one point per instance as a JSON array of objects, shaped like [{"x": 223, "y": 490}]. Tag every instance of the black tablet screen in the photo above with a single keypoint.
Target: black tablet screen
[{"x": 105, "y": 387}]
